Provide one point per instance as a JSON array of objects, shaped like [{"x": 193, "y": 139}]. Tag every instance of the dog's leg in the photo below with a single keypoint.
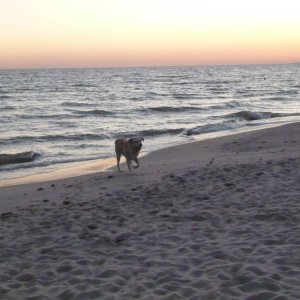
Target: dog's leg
[
  {"x": 128, "y": 164},
  {"x": 118, "y": 161},
  {"x": 137, "y": 163}
]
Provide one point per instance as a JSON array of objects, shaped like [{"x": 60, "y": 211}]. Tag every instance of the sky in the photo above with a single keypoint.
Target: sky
[{"x": 121, "y": 33}]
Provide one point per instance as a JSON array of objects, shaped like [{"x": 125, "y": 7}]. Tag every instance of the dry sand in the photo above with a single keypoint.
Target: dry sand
[{"x": 216, "y": 219}]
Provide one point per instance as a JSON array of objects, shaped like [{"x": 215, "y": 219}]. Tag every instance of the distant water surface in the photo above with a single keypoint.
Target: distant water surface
[{"x": 73, "y": 115}]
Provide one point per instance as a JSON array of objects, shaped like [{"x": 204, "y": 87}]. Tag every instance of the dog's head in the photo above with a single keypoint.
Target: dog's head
[{"x": 136, "y": 143}]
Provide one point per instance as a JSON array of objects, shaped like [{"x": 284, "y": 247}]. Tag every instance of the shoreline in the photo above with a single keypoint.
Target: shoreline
[
  {"x": 215, "y": 219},
  {"x": 254, "y": 146},
  {"x": 77, "y": 169}
]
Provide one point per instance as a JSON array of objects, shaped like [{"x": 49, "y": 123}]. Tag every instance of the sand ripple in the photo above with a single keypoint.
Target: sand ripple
[{"x": 217, "y": 233}]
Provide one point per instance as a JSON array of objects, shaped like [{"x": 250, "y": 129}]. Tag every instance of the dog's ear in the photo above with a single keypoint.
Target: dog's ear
[
  {"x": 142, "y": 139},
  {"x": 131, "y": 140}
]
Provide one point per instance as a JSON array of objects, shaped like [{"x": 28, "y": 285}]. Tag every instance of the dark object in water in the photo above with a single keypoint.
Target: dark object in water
[{"x": 17, "y": 157}]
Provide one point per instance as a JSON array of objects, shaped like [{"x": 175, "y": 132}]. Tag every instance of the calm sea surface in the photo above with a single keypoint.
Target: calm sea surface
[{"x": 72, "y": 115}]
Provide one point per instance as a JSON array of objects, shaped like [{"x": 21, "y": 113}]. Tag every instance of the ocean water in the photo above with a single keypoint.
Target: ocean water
[{"x": 73, "y": 115}]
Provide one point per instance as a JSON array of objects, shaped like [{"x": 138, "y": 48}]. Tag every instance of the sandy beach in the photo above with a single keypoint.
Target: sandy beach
[{"x": 215, "y": 219}]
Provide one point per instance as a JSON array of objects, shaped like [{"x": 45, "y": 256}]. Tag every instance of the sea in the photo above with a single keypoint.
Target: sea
[{"x": 66, "y": 116}]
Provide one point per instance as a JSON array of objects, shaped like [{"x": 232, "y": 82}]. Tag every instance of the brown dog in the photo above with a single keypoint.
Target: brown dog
[{"x": 130, "y": 148}]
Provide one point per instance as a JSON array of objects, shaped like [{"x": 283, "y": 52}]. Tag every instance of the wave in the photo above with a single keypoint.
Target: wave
[
  {"x": 3, "y": 96},
  {"x": 275, "y": 98},
  {"x": 180, "y": 83},
  {"x": 155, "y": 94},
  {"x": 217, "y": 90},
  {"x": 53, "y": 138},
  {"x": 116, "y": 76},
  {"x": 185, "y": 96},
  {"x": 158, "y": 132},
  {"x": 9, "y": 107},
  {"x": 258, "y": 115},
  {"x": 25, "y": 89},
  {"x": 227, "y": 125},
  {"x": 83, "y": 85},
  {"x": 151, "y": 132},
  {"x": 237, "y": 119},
  {"x": 164, "y": 109},
  {"x": 225, "y": 105},
  {"x": 288, "y": 92},
  {"x": 20, "y": 157},
  {"x": 51, "y": 116},
  {"x": 97, "y": 112},
  {"x": 75, "y": 104},
  {"x": 47, "y": 163},
  {"x": 173, "y": 76},
  {"x": 220, "y": 82}
]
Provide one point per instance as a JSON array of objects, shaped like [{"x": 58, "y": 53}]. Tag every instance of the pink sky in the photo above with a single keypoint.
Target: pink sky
[{"x": 92, "y": 33}]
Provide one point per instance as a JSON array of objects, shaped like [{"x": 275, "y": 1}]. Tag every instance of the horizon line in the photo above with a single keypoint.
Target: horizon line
[{"x": 149, "y": 67}]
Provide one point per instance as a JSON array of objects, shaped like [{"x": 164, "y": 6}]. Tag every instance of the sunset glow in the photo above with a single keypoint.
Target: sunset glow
[{"x": 104, "y": 33}]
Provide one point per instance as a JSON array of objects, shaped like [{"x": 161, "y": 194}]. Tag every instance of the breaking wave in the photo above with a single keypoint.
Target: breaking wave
[
  {"x": 210, "y": 128},
  {"x": 16, "y": 158},
  {"x": 257, "y": 115}
]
